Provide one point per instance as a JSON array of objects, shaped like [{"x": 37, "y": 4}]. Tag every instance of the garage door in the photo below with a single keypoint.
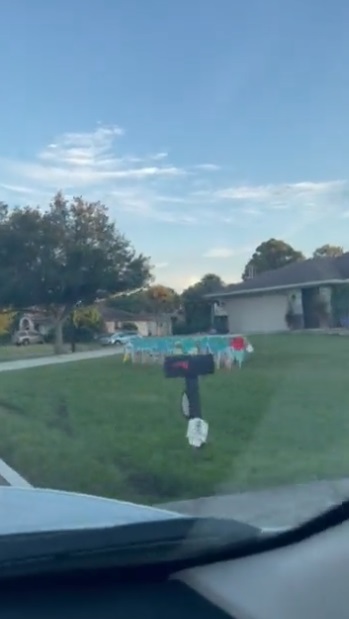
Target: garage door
[{"x": 259, "y": 314}]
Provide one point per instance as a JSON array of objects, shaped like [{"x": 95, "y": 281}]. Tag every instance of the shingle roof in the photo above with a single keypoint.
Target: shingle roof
[
  {"x": 305, "y": 272},
  {"x": 110, "y": 314}
]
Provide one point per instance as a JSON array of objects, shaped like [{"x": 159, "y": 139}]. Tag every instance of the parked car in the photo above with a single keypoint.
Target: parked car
[
  {"x": 24, "y": 338},
  {"x": 119, "y": 338}
]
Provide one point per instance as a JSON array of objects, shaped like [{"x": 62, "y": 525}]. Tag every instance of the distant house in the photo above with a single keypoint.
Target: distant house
[
  {"x": 35, "y": 320},
  {"x": 304, "y": 295},
  {"x": 147, "y": 324},
  {"x": 113, "y": 319}
]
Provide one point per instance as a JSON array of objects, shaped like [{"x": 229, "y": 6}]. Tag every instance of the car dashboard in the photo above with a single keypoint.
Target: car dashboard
[{"x": 304, "y": 580}]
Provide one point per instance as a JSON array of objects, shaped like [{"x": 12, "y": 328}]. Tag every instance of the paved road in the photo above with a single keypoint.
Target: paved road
[
  {"x": 22, "y": 364},
  {"x": 278, "y": 507}
]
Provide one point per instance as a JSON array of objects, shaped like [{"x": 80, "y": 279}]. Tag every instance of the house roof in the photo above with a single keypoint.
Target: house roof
[
  {"x": 110, "y": 314},
  {"x": 305, "y": 273},
  {"x": 38, "y": 316}
]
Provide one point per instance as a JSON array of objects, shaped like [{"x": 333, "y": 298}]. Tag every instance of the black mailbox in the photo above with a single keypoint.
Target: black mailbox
[{"x": 188, "y": 366}]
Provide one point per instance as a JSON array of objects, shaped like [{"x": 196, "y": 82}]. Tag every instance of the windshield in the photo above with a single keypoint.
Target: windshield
[{"x": 174, "y": 260}]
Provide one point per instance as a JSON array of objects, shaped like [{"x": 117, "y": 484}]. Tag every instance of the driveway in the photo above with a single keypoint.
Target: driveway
[{"x": 22, "y": 364}]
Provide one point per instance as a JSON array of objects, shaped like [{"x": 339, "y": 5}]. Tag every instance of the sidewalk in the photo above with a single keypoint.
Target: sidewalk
[{"x": 22, "y": 364}]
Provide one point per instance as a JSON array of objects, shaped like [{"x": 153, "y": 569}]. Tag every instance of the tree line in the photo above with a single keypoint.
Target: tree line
[
  {"x": 274, "y": 254},
  {"x": 63, "y": 258}
]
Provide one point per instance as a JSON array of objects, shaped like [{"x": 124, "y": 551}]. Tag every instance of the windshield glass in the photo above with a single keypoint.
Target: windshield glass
[{"x": 174, "y": 260}]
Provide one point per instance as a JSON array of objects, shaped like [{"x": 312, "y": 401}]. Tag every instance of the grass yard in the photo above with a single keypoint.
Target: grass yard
[
  {"x": 9, "y": 352},
  {"x": 103, "y": 427}
]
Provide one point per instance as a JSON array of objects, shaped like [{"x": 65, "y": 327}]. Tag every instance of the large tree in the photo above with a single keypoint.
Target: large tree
[
  {"x": 328, "y": 251},
  {"x": 64, "y": 258},
  {"x": 269, "y": 255},
  {"x": 197, "y": 310}
]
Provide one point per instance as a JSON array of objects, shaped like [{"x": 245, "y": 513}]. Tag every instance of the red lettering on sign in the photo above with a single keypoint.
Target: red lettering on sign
[{"x": 181, "y": 364}]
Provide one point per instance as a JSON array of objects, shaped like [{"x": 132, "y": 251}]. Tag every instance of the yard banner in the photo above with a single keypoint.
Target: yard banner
[{"x": 228, "y": 351}]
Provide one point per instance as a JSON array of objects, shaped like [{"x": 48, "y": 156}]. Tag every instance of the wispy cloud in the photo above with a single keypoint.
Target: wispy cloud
[
  {"x": 227, "y": 252},
  {"x": 161, "y": 265},
  {"x": 281, "y": 195},
  {"x": 79, "y": 160},
  {"x": 17, "y": 189},
  {"x": 207, "y": 167},
  {"x": 98, "y": 165}
]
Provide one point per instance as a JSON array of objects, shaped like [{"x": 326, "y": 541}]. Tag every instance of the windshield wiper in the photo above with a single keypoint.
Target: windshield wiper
[{"x": 151, "y": 542}]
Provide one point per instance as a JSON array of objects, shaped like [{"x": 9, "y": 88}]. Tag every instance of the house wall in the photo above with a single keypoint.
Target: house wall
[
  {"x": 159, "y": 328},
  {"x": 109, "y": 326},
  {"x": 27, "y": 323},
  {"x": 326, "y": 294},
  {"x": 257, "y": 313}
]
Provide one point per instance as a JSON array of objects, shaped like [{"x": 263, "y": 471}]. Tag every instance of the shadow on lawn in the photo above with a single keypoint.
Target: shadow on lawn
[{"x": 153, "y": 485}]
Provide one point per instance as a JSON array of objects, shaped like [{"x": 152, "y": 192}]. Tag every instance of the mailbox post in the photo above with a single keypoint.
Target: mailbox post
[{"x": 190, "y": 367}]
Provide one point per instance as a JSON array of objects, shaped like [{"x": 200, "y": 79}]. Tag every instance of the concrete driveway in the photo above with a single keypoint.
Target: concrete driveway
[{"x": 22, "y": 364}]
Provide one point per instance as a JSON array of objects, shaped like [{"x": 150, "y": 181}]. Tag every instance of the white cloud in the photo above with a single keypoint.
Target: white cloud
[
  {"x": 96, "y": 164},
  {"x": 17, "y": 189},
  {"x": 142, "y": 202},
  {"x": 226, "y": 252},
  {"x": 181, "y": 281},
  {"x": 219, "y": 252},
  {"x": 75, "y": 161},
  {"x": 159, "y": 156},
  {"x": 161, "y": 265},
  {"x": 208, "y": 167},
  {"x": 279, "y": 195}
]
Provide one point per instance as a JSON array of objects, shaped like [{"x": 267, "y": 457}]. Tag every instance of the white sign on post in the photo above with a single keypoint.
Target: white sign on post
[{"x": 197, "y": 432}]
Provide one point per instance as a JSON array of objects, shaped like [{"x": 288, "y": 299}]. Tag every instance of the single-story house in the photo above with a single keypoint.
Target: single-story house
[
  {"x": 35, "y": 321},
  {"x": 147, "y": 324},
  {"x": 113, "y": 319},
  {"x": 308, "y": 294}
]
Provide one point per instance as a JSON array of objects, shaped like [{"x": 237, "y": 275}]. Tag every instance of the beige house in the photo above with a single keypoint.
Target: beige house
[
  {"x": 147, "y": 324},
  {"x": 297, "y": 296},
  {"x": 35, "y": 321}
]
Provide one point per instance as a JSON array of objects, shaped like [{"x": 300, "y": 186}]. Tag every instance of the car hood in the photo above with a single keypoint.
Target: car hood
[{"x": 33, "y": 510}]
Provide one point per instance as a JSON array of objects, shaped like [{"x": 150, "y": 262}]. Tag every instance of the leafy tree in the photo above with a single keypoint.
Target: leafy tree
[
  {"x": 64, "y": 257},
  {"x": 197, "y": 309},
  {"x": 7, "y": 322},
  {"x": 154, "y": 300},
  {"x": 328, "y": 251},
  {"x": 87, "y": 318},
  {"x": 269, "y": 255}
]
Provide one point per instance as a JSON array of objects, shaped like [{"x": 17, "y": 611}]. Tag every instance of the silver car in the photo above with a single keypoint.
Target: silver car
[{"x": 23, "y": 338}]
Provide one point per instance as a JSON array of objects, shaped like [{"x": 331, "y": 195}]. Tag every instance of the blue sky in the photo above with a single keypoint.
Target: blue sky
[{"x": 206, "y": 127}]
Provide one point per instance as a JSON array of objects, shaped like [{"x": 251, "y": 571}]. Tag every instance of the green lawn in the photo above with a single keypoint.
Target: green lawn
[{"x": 103, "y": 427}]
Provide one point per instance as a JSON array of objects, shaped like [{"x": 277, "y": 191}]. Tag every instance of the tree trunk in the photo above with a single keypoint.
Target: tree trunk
[{"x": 58, "y": 344}]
